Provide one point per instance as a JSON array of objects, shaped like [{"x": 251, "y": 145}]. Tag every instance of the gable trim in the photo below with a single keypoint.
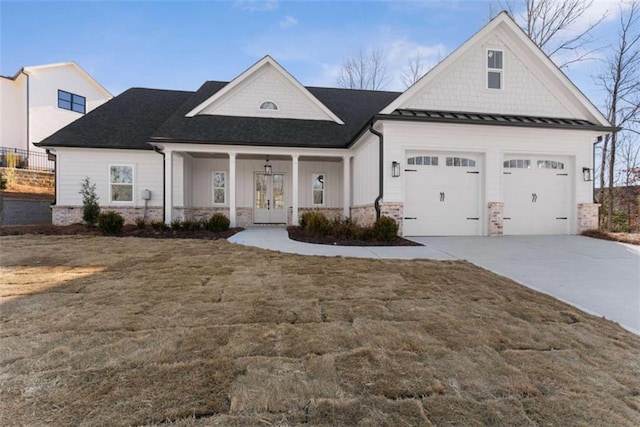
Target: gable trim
[{"x": 248, "y": 74}]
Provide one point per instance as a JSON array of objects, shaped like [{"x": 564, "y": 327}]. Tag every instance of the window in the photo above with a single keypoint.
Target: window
[
  {"x": 268, "y": 105},
  {"x": 494, "y": 69},
  {"x": 517, "y": 164},
  {"x": 219, "y": 188},
  {"x": 461, "y": 162},
  {"x": 550, "y": 164},
  {"x": 71, "y": 101},
  {"x": 121, "y": 183},
  {"x": 423, "y": 161},
  {"x": 318, "y": 189}
]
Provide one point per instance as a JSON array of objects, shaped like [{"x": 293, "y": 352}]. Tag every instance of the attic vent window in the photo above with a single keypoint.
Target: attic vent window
[
  {"x": 494, "y": 69},
  {"x": 269, "y": 105}
]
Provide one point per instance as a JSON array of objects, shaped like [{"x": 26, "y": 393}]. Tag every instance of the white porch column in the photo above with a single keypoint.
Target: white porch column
[
  {"x": 232, "y": 189},
  {"x": 346, "y": 188},
  {"x": 294, "y": 190},
  {"x": 168, "y": 186}
]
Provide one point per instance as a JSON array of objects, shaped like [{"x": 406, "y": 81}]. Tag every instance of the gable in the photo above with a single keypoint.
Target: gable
[
  {"x": 532, "y": 84},
  {"x": 265, "y": 83}
]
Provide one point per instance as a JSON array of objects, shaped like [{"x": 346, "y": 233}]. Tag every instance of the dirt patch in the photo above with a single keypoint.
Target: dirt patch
[
  {"x": 18, "y": 191},
  {"x": 128, "y": 331},
  {"x": 297, "y": 233},
  {"x": 632, "y": 238}
]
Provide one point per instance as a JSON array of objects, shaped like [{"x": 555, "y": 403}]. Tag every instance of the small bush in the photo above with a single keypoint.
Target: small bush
[
  {"x": 90, "y": 207},
  {"x": 158, "y": 225},
  {"x": 365, "y": 233},
  {"x": 141, "y": 223},
  {"x": 192, "y": 224},
  {"x": 176, "y": 224},
  {"x": 218, "y": 222},
  {"x": 3, "y": 182},
  {"x": 110, "y": 222},
  {"x": 316, "y": 224},
  {"x": 345, "y": 228},
  {"x": 385, "y": 228}
]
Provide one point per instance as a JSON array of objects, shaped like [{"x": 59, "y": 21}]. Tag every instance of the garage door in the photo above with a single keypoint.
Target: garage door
[
  {"x": 442, "y": 195},
  {"x": 536, "y": 195}
]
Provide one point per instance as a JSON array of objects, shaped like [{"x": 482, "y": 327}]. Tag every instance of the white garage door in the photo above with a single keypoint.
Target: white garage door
[
  {"x": 442, "y": 195},
  {"x": 536, "y": 193}
]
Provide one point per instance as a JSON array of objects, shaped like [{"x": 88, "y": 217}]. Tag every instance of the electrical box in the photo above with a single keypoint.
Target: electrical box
[{"x": 146, "y": 195}]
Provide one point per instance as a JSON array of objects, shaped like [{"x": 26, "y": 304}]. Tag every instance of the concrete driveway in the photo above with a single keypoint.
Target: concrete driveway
[{"x": 597, "y": 276}]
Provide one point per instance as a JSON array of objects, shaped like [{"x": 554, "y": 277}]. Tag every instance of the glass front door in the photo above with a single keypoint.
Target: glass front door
[{"x": 269, "y": 204}]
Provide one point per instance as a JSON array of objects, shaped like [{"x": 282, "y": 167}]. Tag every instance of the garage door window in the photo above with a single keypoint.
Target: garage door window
[
  {"x": 423, "y": 161},
  {"x": 517, "y": 164},
  {"x": 461, "y": 162},
  {"x": 550, "y": 164}
]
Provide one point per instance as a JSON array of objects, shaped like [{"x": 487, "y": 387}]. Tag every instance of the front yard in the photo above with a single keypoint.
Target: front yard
[{"x": 132, "y": 331}]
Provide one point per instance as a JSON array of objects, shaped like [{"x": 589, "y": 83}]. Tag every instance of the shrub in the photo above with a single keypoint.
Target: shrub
[
  {"x": 345, "y": 228},
  {"x": 316, "y": 224},
  {"x": 385, "y": 228},
  {"x": 158, "y": 225},
  {"x": 90, "y": 207},
  {"x": 218, "y": 222},
  {"x": 12, "y": 161},
  {"x": 141, "y": 223},
  {"x": 3, "y": 182},
  {"x": 110, "y": 222},
  {"x": 192, "y": 224},
  {"x": 176, "y": 224},
  {"x": 365, "y": 233}
]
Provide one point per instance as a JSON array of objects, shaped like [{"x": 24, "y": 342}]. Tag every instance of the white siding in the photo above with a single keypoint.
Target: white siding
[
  {"x": 463, "y": 87},
  {"x": 13, "y": 117},
  {"x": 267, "y": 85},
  {"x": 74, "y": 164},
  {"x": 365, "y": 172}
]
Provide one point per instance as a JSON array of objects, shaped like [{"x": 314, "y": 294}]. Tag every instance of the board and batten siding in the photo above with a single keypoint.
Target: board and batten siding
[
  {"x": 365, "y": 172},
  {"x": 74, "y": 164}
]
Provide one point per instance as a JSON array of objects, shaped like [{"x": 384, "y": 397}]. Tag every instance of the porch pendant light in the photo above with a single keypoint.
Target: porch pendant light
[{"x": 267, "y": 167}]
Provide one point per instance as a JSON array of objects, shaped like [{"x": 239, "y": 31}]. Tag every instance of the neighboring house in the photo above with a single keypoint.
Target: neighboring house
[
  {"x": 38, "y": 101},
  {"x": 493, "y": 140}
]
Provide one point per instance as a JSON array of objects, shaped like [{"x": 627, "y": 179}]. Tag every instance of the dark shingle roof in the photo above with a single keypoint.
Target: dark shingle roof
[
  {"x": 126, "y": 121},
  {"x": 137, "y": 116}
]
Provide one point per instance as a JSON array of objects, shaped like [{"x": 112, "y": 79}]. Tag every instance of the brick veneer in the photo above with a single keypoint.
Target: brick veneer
[
  {"x": 67, "y": 215},
  {"x": 587, "y": 216},
  {"x": 364, "y": 215},
  {"x": 394, "y": 210},
  {"x": 495, "y": 211}
]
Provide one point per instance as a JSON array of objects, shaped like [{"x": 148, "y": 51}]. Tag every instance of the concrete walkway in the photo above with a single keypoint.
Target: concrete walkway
[{"x": 596, "y": 276}]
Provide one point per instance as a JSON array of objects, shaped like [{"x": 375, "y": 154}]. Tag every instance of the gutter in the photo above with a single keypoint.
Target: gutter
[
  {"x": 164, "y": 181},
  {"x": 376, "y": 203},
  {"x": 28, "y": 118}
]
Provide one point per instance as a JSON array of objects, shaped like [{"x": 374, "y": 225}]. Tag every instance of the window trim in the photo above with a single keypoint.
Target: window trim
[
  {"x": 494, "y": 70},
  {"x": 271, "y": 110},
  {"x": 213, "y": 188},
  {"x": 133, "y": 183},
  {"x": 314, "y": 176},
  {"x": 73, "y": 96}
]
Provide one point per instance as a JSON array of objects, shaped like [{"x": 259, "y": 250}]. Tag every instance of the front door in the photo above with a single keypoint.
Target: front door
[{"x": 269, "y": 203}]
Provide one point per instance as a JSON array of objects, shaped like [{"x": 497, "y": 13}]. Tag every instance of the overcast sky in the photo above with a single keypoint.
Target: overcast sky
[{"x": 181, "y": 44}]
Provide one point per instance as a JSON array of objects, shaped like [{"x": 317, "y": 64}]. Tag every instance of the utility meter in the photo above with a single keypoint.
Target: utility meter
[{"x": 146, "y": 195}]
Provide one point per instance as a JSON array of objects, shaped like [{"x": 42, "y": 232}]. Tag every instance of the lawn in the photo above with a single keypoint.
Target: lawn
[{"x": 132, "y": 331}]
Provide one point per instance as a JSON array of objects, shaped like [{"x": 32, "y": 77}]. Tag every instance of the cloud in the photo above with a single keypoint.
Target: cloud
[
  {"x": 257, "y": 5},
  {"x": 288, "y": 21}
]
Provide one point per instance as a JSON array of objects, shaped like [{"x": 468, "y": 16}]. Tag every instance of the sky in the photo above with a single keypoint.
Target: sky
[{"x": 181, "y": 44}]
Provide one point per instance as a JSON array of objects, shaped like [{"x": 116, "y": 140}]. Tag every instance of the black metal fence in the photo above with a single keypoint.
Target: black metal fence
[{"x": 23, "y": 159}]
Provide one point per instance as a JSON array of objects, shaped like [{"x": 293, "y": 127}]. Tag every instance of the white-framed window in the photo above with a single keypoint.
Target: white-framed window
[
  {"x": 423, "y": 161},
  {"x": 219, "y": 185},
  {"x": 121, "y": 183},
  {"x": 495, "y": 69},
  {"x": 460, "y": 162},
  {"x": 269, "y": 105},
  {"x": 517, "y": 164},
  {"x": 317, "y": 189},
  {"x": 550, "y": 164}
]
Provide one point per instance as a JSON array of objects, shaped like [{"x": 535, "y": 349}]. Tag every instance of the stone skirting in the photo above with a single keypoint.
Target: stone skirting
[
  {"x": 364, "y": 215},
  {"x": 31, "y": 178},
  {"x": 587, "y": 217},
  {"x": 330, "y": 213},
  {"x": 494, "y": 214},
  {"x": 183, "y": 213},
  {"x": 394, "y": 210},
  {"x": 67, "y": 215}
]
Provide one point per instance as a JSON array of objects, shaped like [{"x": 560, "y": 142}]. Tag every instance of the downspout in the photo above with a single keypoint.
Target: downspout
[
  {"x": 376, "y": 204},
  {"x": 164, "y": 183},
  {"x": 28, "y": 119}
]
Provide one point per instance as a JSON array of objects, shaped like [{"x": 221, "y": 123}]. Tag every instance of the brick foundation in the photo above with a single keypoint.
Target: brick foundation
[
  {"x": 364, "y": 215},
  {"x": 32, "y": 178},
  {"x": 67, "y": 215},
  {"x": 330, "y": 213},
  {"x": 394, "y": 210},
  {"x": 494, "y": 215},
  {"x": 587, "y": 216}
]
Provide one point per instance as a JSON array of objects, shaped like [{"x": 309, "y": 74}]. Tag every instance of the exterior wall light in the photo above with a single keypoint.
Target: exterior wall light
[
  {"x": 586, "y": 174},
  {"x": 395, "y": 169},
  {"x": 267, "y": 168}
]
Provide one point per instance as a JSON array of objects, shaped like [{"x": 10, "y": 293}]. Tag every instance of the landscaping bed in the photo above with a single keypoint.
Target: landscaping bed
[
  {"x": 298, "y": 234},
  {"x": 632, "y": 238}
]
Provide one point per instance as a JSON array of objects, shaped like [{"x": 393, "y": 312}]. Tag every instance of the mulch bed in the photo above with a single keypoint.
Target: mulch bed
[
  {"x": 297, "y": 233},
  {"x": 632, "y": 238},
  {"x": 128, "y": 231}
]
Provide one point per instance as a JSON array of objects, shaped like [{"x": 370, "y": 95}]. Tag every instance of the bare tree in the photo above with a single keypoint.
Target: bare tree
[
  {"x": 366, "y": 70},
  {"x": 621, "y": 83},
  {"x": 416, "y": 68},
  {"x": 552, "y": 25}
]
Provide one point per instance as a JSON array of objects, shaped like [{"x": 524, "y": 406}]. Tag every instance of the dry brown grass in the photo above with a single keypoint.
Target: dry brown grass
[{"x": 128, "y": 331}]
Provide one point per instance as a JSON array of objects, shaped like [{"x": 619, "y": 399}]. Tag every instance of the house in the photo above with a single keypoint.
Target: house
[
  {"x": 38, "y": 101},
  {"x": 493, "y": 140}
]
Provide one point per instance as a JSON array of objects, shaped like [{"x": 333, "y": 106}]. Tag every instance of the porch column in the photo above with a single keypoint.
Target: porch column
[
  {"x": 346, "y": 186},
  {"x": 232, "y": 189},
  {"x": 168, "y": 186},
  {"x": 294, "y": 190}
]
